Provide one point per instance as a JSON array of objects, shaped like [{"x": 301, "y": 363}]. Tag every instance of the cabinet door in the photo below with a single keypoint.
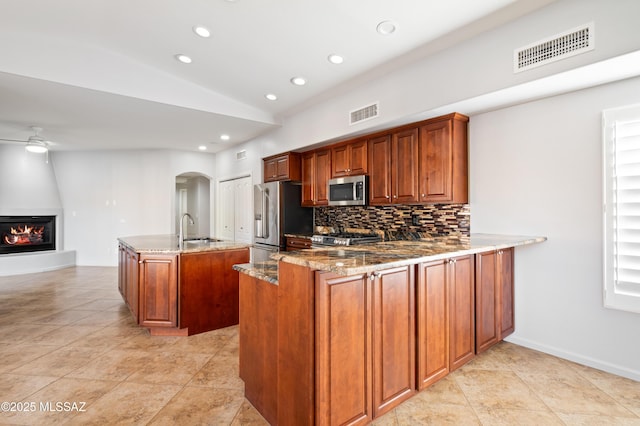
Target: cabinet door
[
  {"x": 159, "y": 290},
  {"x": 343, "y": 350},
  {"x": 393, "y": 338},
  {"x": 282, "y": 167},
  {"x": 432, "y": 322},
  {"x": 322, "y": 176},
  {"x": 487, "y": 301},
  {"x": 341, "y": 164},
  {"x": 404, "y": 166},
  {"x": 461, "y": 311},
  {"x": 270, "y": 170},
  {"x": 379, "y": 152},
  {"x": 308, "y": 178},
  {"x": 435, "y": 158},
  {"x": 358, "y": 158},
  {"x": 505, "y": 270},
  {"x": 132, "y": 284}
]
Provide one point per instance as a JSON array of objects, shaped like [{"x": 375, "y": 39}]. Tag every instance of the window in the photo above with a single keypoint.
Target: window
[{"x": 622, "y": 208}]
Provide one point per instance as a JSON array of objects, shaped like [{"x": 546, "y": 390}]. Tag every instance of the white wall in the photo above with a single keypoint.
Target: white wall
[
  {"x": 536, "y": 169},
  {"x": 111, "y": 194}
]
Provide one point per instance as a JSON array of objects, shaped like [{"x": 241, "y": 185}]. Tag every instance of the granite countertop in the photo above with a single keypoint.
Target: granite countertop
[
  {"x": 169, "y": 244},
  {"x": 389, "y": 254}
]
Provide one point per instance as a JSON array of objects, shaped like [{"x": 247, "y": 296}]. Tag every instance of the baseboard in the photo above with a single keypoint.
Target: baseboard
[{"x": 580, "y": 359}]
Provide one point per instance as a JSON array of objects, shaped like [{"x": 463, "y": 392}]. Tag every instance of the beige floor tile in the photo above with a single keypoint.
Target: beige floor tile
[
  {"x": 24, "y": 332},
  {"x": 65, "y": 335},
  {"x": 416, "y": 412},
  {"x": 169, "y": 368},
  {"x": 197, "y": 406},
  {"x": 65, "y": 317},
  {"x": 103, "y": 318},
  {"x": 146, "y": 342},
  {"x": 507, "y": 417},
  {"x": 220, "y": 372},
  {"x": 389, "y": 419},
  {"x": 248, "y": 416},
  {"x": 127, "y": 404},
  {"x": 205, "y": 343},
  {"x": 591, "y": 420},
  {"x": 114, "y": 365},
  {"x": 444, "y": 391},
  {"x": 61, "y": 400},
  {"x": 625, "y": 391},
  {"x": 15, "y": 356},
  {"x": 572, "y": 393},
  {"x": 497, "y": 389},
  {"x": 16, "y": 387},
  {"x": 109, "y": 337},
  {"x": 59, "y": 362}
]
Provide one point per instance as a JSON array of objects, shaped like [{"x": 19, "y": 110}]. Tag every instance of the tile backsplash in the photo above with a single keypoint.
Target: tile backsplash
[{"x": 398, "y": 221}]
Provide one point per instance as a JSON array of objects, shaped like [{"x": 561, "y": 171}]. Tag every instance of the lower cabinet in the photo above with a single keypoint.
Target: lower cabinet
[
  {"x": 445, "y": 317},
  {"x": 493, "y": 297},
  {"x": 158, "y": 276},
  {"x": 365, "y": 345}
]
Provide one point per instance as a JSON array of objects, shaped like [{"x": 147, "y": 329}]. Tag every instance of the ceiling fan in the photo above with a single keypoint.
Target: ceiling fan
[{"x": 35, "y": 143}]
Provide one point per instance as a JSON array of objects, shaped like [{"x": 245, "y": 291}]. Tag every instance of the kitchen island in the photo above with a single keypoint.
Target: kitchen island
[
  {"x": 343, "y": 335},
  {"x": 180, "y": 290}
]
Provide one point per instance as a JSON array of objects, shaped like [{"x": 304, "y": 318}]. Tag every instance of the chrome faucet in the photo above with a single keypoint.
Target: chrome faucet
[{"x": 181, "y": 234}]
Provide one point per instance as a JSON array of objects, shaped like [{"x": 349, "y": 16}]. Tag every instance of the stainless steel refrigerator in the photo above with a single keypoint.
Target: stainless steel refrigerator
[{"x": 277, "y": 211}]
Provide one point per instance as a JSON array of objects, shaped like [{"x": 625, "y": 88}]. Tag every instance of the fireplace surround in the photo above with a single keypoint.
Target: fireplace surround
[{"x": 23, "y": 234}]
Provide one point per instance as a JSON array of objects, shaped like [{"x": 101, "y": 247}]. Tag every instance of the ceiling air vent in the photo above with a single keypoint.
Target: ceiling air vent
[
  {"x": 364, "y": 113},
  {"x": 241, "y": 155},
  {"x": 561, "y": 46}
]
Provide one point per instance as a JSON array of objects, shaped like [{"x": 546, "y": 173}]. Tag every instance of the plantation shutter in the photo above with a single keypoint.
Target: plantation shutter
[{"x": 622, "y": 208}]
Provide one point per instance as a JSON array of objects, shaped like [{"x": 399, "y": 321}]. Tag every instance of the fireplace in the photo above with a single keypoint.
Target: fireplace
[{"x": 20, "y": 234}]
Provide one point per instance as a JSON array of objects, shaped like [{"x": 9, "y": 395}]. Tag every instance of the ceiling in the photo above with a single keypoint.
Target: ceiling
[{"x": 102, "y": 74}]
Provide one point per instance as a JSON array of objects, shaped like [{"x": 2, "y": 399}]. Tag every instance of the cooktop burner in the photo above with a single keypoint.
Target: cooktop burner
[{"x": 344, "y": 239}]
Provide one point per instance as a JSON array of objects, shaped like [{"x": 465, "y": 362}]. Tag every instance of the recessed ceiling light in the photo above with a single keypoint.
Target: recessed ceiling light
[
  {"x": 298, "y": 81},
  {"x": 202, "y": 31},
  {"x": 386, "y": 27},
  {"x": 335, "y": 59},
  {"x": 183, "y": 58},
  {"x": 224, "y": 137},
  {"x": 271, "y": 96},
  {"x": 202, "y": 148}
]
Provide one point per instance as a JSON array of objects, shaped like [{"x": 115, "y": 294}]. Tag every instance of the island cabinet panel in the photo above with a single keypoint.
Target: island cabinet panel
[
  {"x": 393, "y": 320},
  {"x": 132, "y": 285},
  {"x": 349, "y": 159},
  {"x": 258, "y": 344},
  {"x": 296, "y": 345},
  {"x": 316, "y": 171},
  {"x": 461, "y": 310},
  {"x": 209, "y": 289},
  {"x": 432, "y": 322},
  {"x": 443, "y": 175},
  {"x": 158, "y": 290},
  {"x": 343, "y": 350},
  {"x": 494, "y": 297}
]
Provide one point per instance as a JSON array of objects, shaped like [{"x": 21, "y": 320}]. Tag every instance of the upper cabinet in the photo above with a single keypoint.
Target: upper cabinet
[
  {"x": 443, "y": 175},
  {"x": 349, "y": 159},
  {"x": 282, "y": 167},
  {"x": 316, "y": 168},
  {"x": 393, "y": 160}
]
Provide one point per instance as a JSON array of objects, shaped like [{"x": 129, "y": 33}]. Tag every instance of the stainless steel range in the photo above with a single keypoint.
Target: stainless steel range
[{"x": 344, "y": 239}]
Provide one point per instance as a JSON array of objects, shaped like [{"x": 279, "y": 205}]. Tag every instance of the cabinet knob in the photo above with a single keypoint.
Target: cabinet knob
[
  {"x": 423, "y": 195},
  {"x": 386, "y": 196},
  {"x": 395, "y": 196}
]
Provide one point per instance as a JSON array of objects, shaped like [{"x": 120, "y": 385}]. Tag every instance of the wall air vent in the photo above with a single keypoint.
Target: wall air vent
[
  {"x": 364, "y": 113},
  {"x": 241, "y": 155},
  {"x": 558, "y": 47}
]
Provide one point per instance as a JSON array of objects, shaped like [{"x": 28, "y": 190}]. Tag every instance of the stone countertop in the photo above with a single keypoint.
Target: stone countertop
[
  {"x": 373, "y": 257},
  {"x": 265, "y": 271},
  {"x": 169, "y": 244}
]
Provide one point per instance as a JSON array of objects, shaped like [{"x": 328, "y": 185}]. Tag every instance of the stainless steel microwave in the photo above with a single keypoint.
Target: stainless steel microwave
[{"x": 348, "y": 191}]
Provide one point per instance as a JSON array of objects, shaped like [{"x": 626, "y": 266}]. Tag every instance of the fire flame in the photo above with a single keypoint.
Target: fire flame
[{"x": 24, "y": 234}]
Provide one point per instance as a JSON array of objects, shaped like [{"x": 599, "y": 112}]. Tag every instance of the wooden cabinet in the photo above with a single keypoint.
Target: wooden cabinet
[
  {"x": 443, "y": 175},
  {"x": 445, "y": 317},
  {"x": 316, "y": 171},
  {"x": 393, "y": 168},
  {"x": 132, "y": 285},
  {"x": 461, "y": 311},
  {"x": 282, "y": 167},
  {"x": 349, "y": 159},
  {"x": 298, "y": 243},
  {"x": 365, "y": 344},
  {"x": 158, "y": 275},
  {"x": 493, "y": 297}
]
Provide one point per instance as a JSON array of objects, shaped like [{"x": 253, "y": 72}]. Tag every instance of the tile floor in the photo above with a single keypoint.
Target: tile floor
[{"x": 66, "y": 336}]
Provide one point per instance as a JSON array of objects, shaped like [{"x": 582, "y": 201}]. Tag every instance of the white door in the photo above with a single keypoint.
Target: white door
[{"x": 235, "y": 210}]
